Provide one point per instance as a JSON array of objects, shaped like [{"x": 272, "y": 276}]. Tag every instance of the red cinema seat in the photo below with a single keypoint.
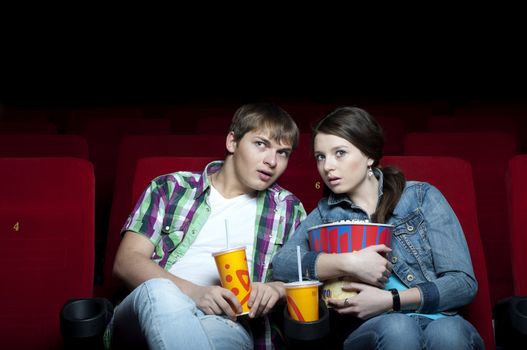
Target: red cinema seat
[
  {"x": 43, "y": 146},
  {"x": 471, "y": 123},
  {"x": 46, "y": 248},
  {"x": 301, "y": 176},
  {"x": 489, "y": 154},
  {"x": 132, "y": 149},
  {"x": 394, "y": 131},
  {"x": 104, "y": 136},
  {"x": 200, "y": 119},
  {"x": 453, "y": 177},
  {"x": 517, "y": 204},
  {"x": 34, "y": 127},
  {"x": 149, "y": 168}
]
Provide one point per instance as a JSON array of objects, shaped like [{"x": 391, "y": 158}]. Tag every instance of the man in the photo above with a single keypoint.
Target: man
[{"x": 165, "y": 255}]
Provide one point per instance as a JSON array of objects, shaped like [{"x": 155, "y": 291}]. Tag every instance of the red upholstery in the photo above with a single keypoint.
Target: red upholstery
[
  {"x": 104, "y": 136},
  {"x": 131, "y": 149},
  {"x": 301, "y": 176},
  {"x": 517, "y": 204},
  {"x": 216, "y": 124},
  {"x": 43, "y": 146},
  {"x": 471, "y": 123},
  {"x": 34, "y": 127},
  {"x": 393, "y": 128},
  {"x": 149, "y": 168},
  {"x": 453, "y": 177},
  {"x": 489, "y": 153},
  {"x": 306, "y": 113},
  {"x": 190, "y": 119},
  {"x": 46, "y": 248}
]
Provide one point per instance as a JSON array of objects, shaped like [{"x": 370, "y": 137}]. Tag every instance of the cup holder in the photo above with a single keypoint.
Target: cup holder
[
  {"x": 307, "y": 331},
  {"x": 85, "y": 320},
  {"x": 519, "y": 314}
]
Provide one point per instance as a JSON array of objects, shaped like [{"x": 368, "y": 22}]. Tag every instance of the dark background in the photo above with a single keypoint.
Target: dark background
[{"x": 114, "y": 59}]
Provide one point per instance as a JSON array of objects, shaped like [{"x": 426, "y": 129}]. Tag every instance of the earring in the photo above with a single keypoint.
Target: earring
[{"x": 370, "y": 171}]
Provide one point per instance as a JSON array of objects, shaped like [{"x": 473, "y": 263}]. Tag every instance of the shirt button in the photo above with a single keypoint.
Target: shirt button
[
  {"x": 410, "y": 278},
  {"x": 394, "y": 259},
  {"x": 167, "y": 228}
]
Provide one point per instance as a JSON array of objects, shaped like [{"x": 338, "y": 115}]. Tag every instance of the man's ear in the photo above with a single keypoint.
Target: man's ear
[{"x": 230, "y": 142}]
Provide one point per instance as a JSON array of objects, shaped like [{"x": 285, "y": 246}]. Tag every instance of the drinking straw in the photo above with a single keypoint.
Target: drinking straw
[
  {"x": 227, "y": 233},
  {"x": 299, "y": 263}
]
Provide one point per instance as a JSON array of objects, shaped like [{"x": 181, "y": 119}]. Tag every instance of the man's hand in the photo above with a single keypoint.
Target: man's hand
[
  {"x": 264, "y": 297},
  {"x": 215, "y": 300}
]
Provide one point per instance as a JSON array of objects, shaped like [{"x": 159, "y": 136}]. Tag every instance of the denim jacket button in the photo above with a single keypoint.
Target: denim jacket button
[
  {"x": 409, "y": 228},
  {"x": 394, "y": 259},
  {"x": 410, "y": 277}
]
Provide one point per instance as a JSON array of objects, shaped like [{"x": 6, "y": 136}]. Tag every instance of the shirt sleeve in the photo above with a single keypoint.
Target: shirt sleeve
[{"x": 147, "y": 216}]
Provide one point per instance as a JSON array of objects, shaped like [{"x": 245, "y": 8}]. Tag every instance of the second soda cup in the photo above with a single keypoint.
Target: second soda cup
[
  {"x": 302, "y": 300},
  {"x": 234, "y": 274}
]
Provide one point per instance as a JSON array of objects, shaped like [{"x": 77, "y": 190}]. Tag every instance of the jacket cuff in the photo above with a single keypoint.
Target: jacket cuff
[
  {"x": 429, "y": 298},
  {"x": 309, "y": 261}
]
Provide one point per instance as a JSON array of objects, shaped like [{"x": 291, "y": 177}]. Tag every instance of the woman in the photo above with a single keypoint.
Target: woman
[{"x": 408, "y": 300}]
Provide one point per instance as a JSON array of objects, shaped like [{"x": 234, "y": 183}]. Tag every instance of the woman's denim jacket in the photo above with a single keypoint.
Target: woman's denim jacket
[{"x": 429, "y": 247}]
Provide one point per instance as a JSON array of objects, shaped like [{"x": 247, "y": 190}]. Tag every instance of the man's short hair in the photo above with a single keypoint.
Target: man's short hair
[{"x": 265, "y": 116}]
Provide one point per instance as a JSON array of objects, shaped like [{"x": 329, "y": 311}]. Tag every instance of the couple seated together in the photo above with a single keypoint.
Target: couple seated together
[{"x": 166, "y": 253}]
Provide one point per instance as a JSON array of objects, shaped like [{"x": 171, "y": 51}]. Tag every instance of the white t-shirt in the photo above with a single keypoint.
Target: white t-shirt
[{"x": 197, "y": 265}]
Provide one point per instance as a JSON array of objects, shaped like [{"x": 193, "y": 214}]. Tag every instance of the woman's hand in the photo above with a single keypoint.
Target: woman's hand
[
  {"x": 369, "y": 302},
  {"x": 368, "y": 265},
  {"x": 264, "y": 297}
]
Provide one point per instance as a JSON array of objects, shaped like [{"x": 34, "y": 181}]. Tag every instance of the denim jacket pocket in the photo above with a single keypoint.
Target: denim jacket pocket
[
  {"x": 411, "y": 235},
  {"x": 410, "y": 224}
]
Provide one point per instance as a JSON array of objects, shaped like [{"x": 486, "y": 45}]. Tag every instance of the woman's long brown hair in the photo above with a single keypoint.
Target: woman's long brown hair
[{"x": 359, "y": 128}]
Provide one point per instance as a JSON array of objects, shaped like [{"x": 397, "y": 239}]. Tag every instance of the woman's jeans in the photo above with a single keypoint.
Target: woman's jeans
[
  {"x": 159, "y": 315},
  {"x": 399, "y": 331}
]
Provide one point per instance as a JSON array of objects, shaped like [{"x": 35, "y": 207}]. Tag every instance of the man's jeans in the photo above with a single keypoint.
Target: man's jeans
[
  {"x": 399, "y": 331},
  {"x": 159, "y": 315}
]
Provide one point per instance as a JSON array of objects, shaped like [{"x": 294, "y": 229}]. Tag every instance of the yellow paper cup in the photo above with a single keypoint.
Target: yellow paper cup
[
  {"x": 234, "y": 274},
  {"x": 302, "y": 300}
]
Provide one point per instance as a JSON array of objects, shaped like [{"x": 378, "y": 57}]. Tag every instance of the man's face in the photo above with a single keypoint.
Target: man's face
[{"x": 258, "y": 160}]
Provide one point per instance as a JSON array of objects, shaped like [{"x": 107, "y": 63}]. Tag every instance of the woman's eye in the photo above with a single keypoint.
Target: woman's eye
[
  {"x": 319, "y": 157},
  {"x": 340, "y": 153}
]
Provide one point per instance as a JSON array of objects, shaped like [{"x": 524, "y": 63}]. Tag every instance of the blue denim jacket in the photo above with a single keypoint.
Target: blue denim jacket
[{"x": 429, "y": 247}]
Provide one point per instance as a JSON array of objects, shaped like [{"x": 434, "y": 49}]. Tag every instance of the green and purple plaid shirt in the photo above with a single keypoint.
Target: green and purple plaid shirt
[{"x": 173, "y": 209}]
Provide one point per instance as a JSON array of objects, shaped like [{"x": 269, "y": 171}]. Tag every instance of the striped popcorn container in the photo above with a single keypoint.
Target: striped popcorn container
[{"x": 344, "y": 237}]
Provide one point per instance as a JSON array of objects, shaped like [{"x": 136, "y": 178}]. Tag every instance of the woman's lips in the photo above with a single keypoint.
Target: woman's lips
[{"x": 333, "y": 181}]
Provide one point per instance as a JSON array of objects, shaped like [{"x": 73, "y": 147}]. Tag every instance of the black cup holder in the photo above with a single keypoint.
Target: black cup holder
[
  {"x": 510, "y": 322},
  {"x": 519, "y": 314},
  {"x": 83, "y": 321},
  {"x": 308, "y": 331}
]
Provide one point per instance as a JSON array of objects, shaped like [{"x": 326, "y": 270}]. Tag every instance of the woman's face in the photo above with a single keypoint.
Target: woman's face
[{"x": 342, "y": 166}]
